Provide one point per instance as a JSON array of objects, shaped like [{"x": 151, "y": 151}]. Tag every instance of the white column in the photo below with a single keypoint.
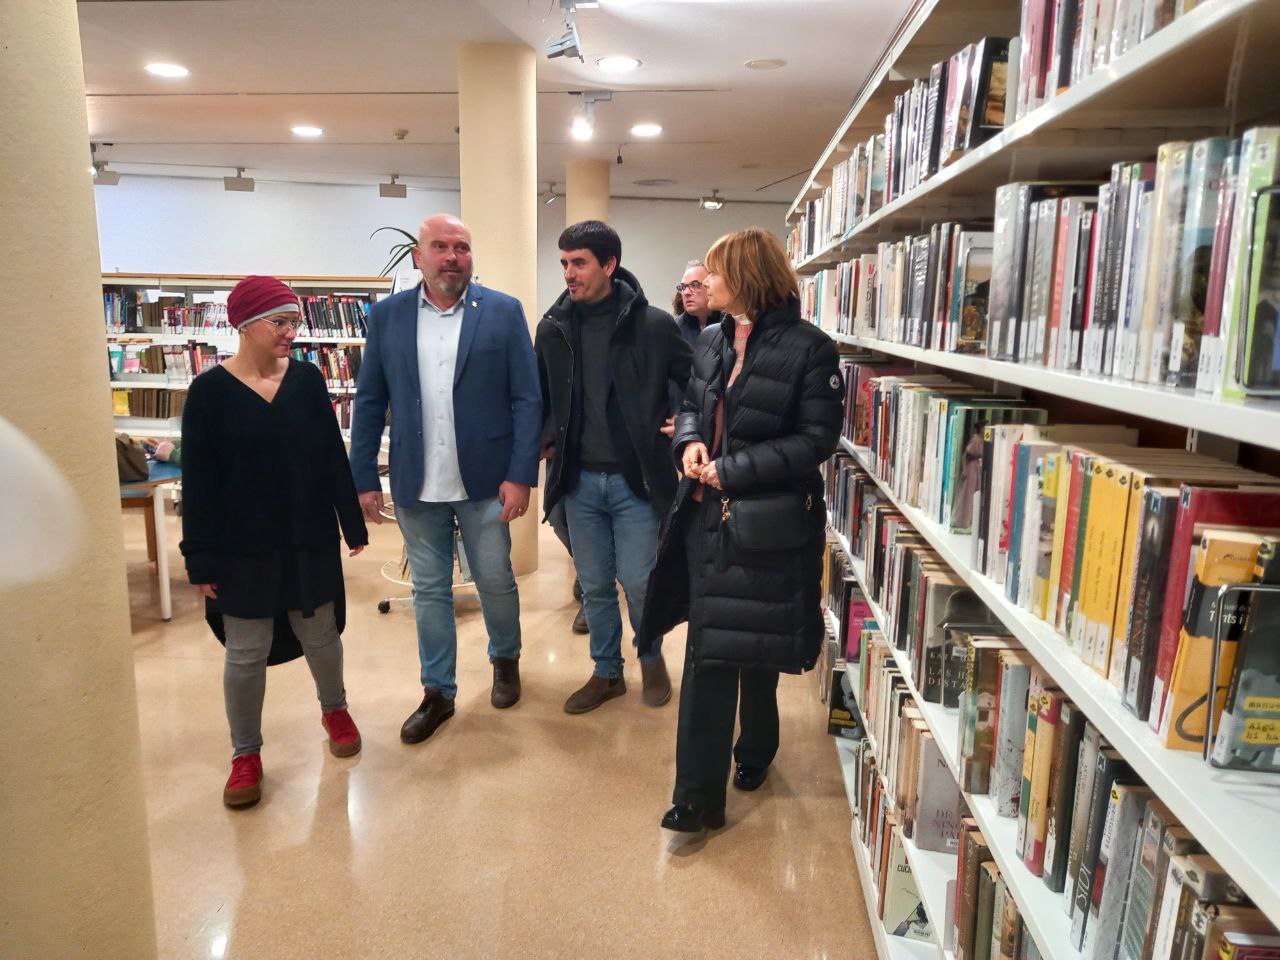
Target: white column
[
  {"x": 498, "y": 153},
  {"x": 76, "y": 866}
]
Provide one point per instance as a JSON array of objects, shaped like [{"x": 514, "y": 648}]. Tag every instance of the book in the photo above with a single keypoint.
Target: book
[
  {"x": 1203, "y": 188},
  {"x": 1063, "y": 784},
  {"x": 903, "y": 912},
  {"x": 975, "y": 852},
  {"x": 1225, "y": 556},
  {"x": 937, "y": 821},
  {"x": 1200, "y": 507},
  {"x": 1248, "y": 733},
  {"x": 1035, "y": 687},
  {"x": 1177, "y": 842},
  {"x": 1111, "y": 882},
  {"x": 984, "y": 912},
  {"x": 1049, "y": 712},
  {"x": 1191, "y": 877},
  {"x": 1110, "y": 768},
  {"x": 1010, "y": 731},
  {"x": 1156, "y": 819}
]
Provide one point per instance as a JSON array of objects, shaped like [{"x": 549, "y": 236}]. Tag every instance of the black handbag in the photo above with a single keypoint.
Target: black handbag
[{"x": 768, "y": 522}]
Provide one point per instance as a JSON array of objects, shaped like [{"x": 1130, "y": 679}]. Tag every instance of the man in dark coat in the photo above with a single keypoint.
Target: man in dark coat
[{"x": 605, "y": 358}]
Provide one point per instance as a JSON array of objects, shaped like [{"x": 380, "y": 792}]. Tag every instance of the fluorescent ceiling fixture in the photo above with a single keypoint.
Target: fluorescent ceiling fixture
[
  {"x": 765, "y": 63},
  {"x": 646, "y": 129},
  {"x": 582, "y": 129},
  {"x": 305, "y": 131},
  {"x": 617, "y": 64},
  {"x": 171, "y": 70}
]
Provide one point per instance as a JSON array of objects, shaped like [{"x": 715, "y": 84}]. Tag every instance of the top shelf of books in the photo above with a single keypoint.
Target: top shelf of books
[
  {"x": 1210, "y": 70},
  {"x": 217, "y": 281}
]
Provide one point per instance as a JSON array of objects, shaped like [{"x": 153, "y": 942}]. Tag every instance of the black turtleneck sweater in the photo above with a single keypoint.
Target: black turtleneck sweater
[{"x": 596, "y": 323}]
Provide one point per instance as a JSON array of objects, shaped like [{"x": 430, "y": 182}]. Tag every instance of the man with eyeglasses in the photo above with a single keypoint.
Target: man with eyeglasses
[
  {"x": 455, "y": 362},
  {"x": 692, "y": 316}
]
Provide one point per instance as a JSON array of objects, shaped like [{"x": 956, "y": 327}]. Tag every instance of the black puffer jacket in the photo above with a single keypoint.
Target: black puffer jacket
[
  {"x": 782, "y": 420},
  {"x": 646, "y": 352}
]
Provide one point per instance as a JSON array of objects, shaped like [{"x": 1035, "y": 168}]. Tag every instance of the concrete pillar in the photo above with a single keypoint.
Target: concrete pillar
[
  {"x": 586, "y": 190},
  {"x": 76, "y": 865},
  {"x": 498, "y": 156}
]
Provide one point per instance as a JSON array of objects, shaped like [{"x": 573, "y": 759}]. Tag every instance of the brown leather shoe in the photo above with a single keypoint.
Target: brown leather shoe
[
  {"x": 593, "y": 693},
  {"x": 657, "y": 682},
  {"x": 422, "y": 723},
  {"x": 506, "y": 682},
  {"x": 580, "y": 621}
]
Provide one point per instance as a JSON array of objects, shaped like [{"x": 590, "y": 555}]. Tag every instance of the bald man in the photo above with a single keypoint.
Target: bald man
[{"x": 454, "y": 361}]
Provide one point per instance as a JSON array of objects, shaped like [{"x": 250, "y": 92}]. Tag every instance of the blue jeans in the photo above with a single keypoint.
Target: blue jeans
[
  {"x": 615, "y": 538},
  {"x": 428, "y": 536}
]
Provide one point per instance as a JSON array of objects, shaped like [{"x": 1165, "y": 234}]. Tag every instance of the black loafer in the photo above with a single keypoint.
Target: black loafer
[
  {"x": 749, "y": 778},
  {"x": 684, "y": 819}
]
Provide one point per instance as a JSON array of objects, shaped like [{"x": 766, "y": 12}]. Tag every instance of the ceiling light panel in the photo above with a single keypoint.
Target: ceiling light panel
[
  {"x": 304, "y": 130},
  {"x": 618, "y": 64},
  {"x": 646, "y": 129},
  {"x": 171, "y": 71}
]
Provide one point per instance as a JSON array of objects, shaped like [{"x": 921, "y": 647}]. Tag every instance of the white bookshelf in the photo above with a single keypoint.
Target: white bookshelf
[
  {"x": 1170, "y": 84},
  {"x": 888, "y": 947},
  {"x": 1247, "y": 421},
  {"x": 1211, "y": 71},
  {"x": 222, "y": 338},
  {"x": 1222, "y": 808}
]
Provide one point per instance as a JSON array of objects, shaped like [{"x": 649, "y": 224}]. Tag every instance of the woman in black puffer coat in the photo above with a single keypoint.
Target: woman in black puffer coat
[{"x": 741, "y": 552}]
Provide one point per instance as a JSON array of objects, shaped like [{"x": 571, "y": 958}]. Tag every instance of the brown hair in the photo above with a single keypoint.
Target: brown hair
[{"x": 754, "y": 266}]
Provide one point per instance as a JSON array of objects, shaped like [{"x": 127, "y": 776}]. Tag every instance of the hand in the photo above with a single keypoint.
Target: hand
[
  {"x": 548, "y": 451},
  {"x": 514, "y": 498},
  {"x": 164, "y": 450},
  {"x": 694, "y": 459},
  {"x": 209, "y": 590},
  {"x": 356, "y": 551},
  {"x": 711, "y": 476},
  {"x": 371, "y": 504},
  {"x": 668, "y": 428}
]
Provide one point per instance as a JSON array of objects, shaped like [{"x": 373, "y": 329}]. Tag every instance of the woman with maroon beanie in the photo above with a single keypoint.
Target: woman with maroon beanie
[{"x": 266, "y": 485}]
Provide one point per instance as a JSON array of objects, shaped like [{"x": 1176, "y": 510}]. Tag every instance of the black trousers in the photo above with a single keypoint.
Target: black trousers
[{"x": 709, "y": 699}]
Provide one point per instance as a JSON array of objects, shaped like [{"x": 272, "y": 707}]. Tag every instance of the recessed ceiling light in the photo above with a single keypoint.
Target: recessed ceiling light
[
  {"x": 305, "y": 131},
  {"x": 617, "y": 64},
  {"x": 765, "y": 63},
  {"x": 646, "y": 129},
  {"x": 171, "y": 70}
]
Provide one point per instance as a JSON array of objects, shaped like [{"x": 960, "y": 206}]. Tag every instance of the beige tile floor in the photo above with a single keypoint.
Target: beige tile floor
[{"x": 524, "y": 833}]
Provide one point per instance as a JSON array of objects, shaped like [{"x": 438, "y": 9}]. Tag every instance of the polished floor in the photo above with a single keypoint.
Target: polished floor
[{"x": 520, "y": 833}]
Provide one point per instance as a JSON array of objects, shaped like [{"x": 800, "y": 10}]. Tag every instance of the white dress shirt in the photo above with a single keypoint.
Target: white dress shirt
[{"x": 438, "y": 332}]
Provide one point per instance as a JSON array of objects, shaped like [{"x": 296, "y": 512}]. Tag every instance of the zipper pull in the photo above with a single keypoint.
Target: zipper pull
[{"x": 722, "y": 536}]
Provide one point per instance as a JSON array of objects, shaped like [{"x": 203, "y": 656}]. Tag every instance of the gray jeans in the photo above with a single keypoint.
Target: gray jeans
[{"x": 244, "y": 676}]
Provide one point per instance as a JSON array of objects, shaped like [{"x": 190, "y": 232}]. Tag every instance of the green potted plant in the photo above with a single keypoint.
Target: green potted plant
[{"x": 398, "y": 252}]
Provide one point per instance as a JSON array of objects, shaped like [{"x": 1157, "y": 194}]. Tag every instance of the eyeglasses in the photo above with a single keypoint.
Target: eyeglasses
[
  {"x": 694, "y": 285},
  {"x": 283, "y": 326}
]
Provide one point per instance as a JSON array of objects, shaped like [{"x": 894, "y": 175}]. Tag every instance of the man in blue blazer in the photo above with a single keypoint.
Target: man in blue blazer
[{"x": 455, "y": 362}]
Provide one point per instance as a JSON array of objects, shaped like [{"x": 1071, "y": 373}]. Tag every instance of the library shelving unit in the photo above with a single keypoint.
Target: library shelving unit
[
  {"x": 1210, "y": 71},
  {"x": 190, "y": 287}
]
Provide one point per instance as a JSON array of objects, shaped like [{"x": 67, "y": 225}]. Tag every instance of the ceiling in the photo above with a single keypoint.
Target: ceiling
[{"x": 364, "y": 70}]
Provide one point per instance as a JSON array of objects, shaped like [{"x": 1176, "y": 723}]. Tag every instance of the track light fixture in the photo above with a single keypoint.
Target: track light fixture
[
  {"x": 239, "y": 183},
  {"x": 392, "y": 189},
  {"x": 567, "y": 44},
  {"x": 713, "y": 202},
  {"x": 584, "y": 123},
  {"x": 552, "y": 196},
  {"x": 104, "y": 177}
]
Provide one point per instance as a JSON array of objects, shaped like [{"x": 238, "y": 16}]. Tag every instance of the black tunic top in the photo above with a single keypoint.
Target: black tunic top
[{"x": 265, "y": 487}]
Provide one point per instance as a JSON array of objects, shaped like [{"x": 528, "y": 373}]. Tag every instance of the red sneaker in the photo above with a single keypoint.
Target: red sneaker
[
  {"x": 244, "y": 786},
  {"x": 344, "y": 738}
]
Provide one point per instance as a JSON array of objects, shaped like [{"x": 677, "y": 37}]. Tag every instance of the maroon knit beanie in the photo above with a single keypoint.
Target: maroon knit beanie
[{"x": 256, "y": 297}]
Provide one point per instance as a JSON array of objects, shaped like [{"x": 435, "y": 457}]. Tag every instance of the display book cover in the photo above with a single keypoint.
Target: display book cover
[
  {"x": 1222, "y": 556},
  {"x": 1249, "y": 508},
  {"x": 1248, "y": 732},
  {"x": 904, "y": 913},
  {"x": 844, "y": 719}
]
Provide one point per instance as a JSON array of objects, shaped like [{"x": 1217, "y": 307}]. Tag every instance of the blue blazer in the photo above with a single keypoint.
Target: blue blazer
[{"x": 497, "y": 402}]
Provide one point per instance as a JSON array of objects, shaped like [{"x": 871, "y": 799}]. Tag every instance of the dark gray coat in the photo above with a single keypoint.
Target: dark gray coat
[{"x": 782, "y": 421}]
